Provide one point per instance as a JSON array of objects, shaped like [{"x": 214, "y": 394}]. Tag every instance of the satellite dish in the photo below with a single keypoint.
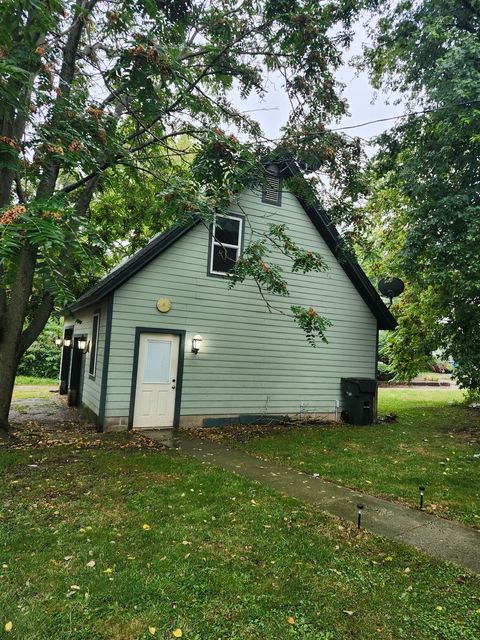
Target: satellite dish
[{"x": 391, "y": 287}]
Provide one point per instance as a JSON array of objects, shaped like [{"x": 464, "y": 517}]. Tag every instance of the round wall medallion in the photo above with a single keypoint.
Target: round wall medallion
[{"x": 164, "y": 305}]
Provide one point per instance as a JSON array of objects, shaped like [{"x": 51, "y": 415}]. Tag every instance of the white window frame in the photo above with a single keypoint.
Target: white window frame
[
  {"x": 92, "y": 371},
  {"x": 215, "y": 243}
]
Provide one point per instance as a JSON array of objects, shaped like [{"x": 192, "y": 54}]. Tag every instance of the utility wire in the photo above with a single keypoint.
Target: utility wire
[{"x": 402, "y": 115}]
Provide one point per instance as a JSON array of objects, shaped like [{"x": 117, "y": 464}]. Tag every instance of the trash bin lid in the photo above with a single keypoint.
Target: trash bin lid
[{"x": 364, "y": 385}]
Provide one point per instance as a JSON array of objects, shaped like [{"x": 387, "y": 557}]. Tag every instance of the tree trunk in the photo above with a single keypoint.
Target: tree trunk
[
  {"x": 12, "y": 328},
  {"x": 8, "y": 367}
]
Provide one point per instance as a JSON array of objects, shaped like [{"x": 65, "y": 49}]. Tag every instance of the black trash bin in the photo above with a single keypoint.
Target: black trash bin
[{"x": 359, "y": 400}]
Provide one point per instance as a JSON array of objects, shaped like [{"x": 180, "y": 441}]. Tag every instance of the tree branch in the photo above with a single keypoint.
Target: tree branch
[
  {"x": 42, "y": 313},
  {"x": 51, "y": 169}
]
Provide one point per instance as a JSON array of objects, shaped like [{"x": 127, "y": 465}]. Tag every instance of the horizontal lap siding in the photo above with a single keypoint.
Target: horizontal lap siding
[
  {"x": 83, "y": 326},
  {"x": 251, "y": 360}
]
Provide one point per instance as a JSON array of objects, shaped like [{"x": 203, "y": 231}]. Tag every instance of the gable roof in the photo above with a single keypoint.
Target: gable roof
[{"x": 319, "y": 218}]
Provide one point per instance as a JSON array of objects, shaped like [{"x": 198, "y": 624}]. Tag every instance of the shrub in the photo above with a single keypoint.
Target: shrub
[
  {"x": 384, "y": 374},
  {"x": 42, "y": 359}
]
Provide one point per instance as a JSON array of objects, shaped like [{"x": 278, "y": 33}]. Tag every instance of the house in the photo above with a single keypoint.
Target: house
[{"x": 161, "y": 341}]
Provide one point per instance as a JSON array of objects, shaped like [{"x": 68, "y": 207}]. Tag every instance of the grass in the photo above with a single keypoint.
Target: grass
[
  {"x": 99, "y": 541},
  {"x": 433, "y": 443},
  {"x": 27, "y": 387},
  {"x": 34, "y": 380}
]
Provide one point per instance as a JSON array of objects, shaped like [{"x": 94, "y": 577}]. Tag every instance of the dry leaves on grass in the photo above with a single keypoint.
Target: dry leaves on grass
[
  {"x": 33, "y": 435},
  {"x": 245, "y": 432}
]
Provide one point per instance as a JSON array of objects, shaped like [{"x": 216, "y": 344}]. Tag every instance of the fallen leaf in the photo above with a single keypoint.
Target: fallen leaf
[
  {"x": 439, "y": 608},
  {"x": 177, "y": 633},
  {"x": 389, "y": 559},
  {"x": 91, "y": 564},
  {"x": 75, "y": 587},
  {"x": 8, "y": 626},
  {"x": 108, "y": 570},
  {"x": 290, "y": 620},
  {"x": 348, "y": 612},
  {"x": 152, "y": 630},
  {"x": 146, "y": 527}
]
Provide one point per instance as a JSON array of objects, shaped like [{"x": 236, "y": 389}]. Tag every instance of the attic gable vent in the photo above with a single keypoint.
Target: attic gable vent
[{"x": 272, "y": 189}]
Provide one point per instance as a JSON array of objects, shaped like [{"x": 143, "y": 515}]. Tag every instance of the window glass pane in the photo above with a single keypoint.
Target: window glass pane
[
  {"x": 227, "y": 230},
  {"x": 223, "y": 258},
  {"x": 157, "y": 361}
]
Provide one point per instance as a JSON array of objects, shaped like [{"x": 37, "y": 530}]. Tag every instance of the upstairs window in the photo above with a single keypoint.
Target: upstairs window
[
  {"x": 272, "y": 187},
  {"x": 92, "y": 369},
  {"x": 226, "y": 244}
]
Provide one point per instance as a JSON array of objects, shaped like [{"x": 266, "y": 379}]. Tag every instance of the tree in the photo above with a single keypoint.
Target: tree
[
  {"x": 96, "y": 92},
  {"x": 425, "y": 202}
]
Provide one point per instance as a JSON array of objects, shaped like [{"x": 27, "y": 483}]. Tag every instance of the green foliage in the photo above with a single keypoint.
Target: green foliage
[
  {"x": 42, "y": 359},
  {"x": 383, "y": 372},
  {"x": 256, "y": 262},
  {"x": 425, "y": 205},
  {"x": 115, "y": 129},
  {"x": 312, "y": 323}
]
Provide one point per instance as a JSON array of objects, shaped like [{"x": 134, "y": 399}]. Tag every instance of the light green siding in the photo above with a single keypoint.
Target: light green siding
[
  {"x": 251, "y": 360},
  {"x": 90, "y": 386}
]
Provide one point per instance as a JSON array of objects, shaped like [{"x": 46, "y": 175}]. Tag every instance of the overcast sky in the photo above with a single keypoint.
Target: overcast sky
[{"x": 364, "y": 106}]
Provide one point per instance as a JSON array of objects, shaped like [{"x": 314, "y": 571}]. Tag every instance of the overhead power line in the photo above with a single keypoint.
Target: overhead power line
[
  {"x": 411, "y": 113},
  {"x": 466, "y": 104}
]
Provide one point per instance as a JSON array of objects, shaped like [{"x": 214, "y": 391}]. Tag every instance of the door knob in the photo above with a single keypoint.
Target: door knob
[{"x": 173, "y": 386}]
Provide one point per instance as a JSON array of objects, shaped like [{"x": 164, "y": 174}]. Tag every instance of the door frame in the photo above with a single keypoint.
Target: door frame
[
  {"x": 66, "y": 361},
  {"x": 77, "y": 368},
  {"x": 180, "y": 333}
]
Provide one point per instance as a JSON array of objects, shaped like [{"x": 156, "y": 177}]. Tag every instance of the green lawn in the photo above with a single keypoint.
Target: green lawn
[
  {"x": 31, "y": 387},
  {"x": 21, "y": 380},
  {"x": 433, "y": 444},
  {"x": 103, "y": 542}
]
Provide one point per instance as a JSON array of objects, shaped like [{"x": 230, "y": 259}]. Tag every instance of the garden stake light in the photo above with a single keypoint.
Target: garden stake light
[
  {"x": 359, "y": 515},
  {"x": 422, "y": 493}
]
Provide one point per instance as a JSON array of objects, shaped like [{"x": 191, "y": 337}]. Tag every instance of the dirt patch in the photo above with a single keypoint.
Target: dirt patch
[
  {"x": 472, "y": 436},
  {"x": 49, "y": 422},
  {"x": 246, "y": 432},
  {"x": 34, "y": 435}
]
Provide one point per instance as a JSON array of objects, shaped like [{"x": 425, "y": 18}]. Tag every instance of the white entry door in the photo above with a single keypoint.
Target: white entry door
[{"x": 156, "y": 381}]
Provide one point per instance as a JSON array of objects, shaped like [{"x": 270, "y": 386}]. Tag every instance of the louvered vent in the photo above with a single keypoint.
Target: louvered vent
[{"x": 272, "y": 192}]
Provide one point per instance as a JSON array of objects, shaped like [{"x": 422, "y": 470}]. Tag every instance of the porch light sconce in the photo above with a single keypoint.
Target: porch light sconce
[
  {"x": 67, "y": 342},
  {"x": 58, "y": 342},
  {"x": 83, "y": 345},
  {"x": 196, "y": 344}
]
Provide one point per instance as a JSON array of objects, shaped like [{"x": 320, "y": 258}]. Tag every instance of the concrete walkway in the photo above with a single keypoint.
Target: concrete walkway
[{"x": 435, "y": 536}]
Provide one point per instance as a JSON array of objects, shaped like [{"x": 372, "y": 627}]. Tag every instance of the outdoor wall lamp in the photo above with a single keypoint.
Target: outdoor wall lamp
[
  {"x": 196, "y": 343},
  {"x": 83, "y": 345},
  {"x": 58, "y": 342},
  {"x": 67, "y": 342}
]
